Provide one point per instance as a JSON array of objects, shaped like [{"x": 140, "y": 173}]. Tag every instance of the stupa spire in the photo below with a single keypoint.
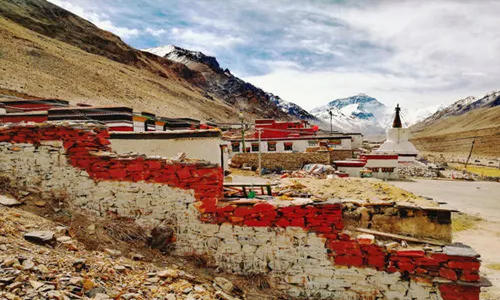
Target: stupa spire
[{"x": 397, "y": 118}]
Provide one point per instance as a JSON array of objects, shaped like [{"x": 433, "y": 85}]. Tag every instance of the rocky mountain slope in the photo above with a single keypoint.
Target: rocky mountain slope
[
  {"x": 47, "y": 51},
  {"x": 451, "y": 130},
  {"x": 461, "y": 107},
  {"x": 359, "y": 113},
  {"x": 225, "y": 85}
]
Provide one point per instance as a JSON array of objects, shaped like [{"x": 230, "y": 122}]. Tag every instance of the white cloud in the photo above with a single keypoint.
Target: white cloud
[
  {"x": 418, "y": 53},
  {"x": 99, "y": 19},
  {"x": 206, "y": 41},
  {"x": 156, "y": 32}
]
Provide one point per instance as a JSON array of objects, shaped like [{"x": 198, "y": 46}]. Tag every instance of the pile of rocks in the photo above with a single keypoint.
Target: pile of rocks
[
  {"x": 419, "y": 170},
  {"x": 47, "y": 263}
]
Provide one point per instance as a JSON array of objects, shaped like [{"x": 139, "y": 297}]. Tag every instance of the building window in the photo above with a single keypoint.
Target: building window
[
  {"x": 235, "y": 147},
  {"x": 374, "y": 169},
  {"x": 288, "y": 146},
  {"x": 255, "y": 147},
  {"x": 388, "y": 170},
  {"x": 271, "y": 146}
]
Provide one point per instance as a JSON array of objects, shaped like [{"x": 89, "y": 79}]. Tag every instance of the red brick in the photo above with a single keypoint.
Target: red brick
[
  {"x": 469, "y": 276},
  {"x": 405, "y": 266},
  {"x": 349, "y": 260},
  {"x": 464, "y": 265},
  {"x": 411, "y": 253},
  {"x": 448, "y": 273},
  {"x": 426, "y": 261}
]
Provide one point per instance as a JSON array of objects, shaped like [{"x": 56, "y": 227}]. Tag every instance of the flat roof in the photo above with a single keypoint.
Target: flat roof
[
  {"x": 161, "y": 135},
  {"x": 31, "y": 113},
  {"x": 90, "y": 107},
  {"x": 314, "y": 137}
]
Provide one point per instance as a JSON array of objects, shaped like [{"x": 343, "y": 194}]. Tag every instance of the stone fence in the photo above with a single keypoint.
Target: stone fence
[{"x": 303, "y": 247}]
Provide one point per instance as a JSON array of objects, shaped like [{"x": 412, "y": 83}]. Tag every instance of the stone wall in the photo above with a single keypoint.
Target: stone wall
[
  {"x": 424, "y": 223},
  {"x": 303, "y": 247},
  {"x": 340, "y": 155},
  {"x": 286, "y": 161}
]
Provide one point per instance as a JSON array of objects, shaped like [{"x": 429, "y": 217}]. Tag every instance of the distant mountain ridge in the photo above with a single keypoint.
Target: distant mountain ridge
[
  {"x": 451, "y": 130},
  {"x": 359, "y": 113},
  {"x": 229, "y": 87},
  {"x": 461, "y": 107}
]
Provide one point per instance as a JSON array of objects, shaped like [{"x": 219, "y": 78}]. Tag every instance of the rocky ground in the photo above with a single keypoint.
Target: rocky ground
[
  {"x": 43, "y": 259},
  {"x": 364, "y": 189}
]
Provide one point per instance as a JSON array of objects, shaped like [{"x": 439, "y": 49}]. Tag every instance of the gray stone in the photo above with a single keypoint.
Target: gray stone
[
  {"x": 459, "y": 249},
  {"x": 93, "y": 292},
  {"x": 9, "y": 201},
  {"x": 40, "y": 237},
  {"x": 226, "y": 285},
  {"x": 170, "y": 273}
]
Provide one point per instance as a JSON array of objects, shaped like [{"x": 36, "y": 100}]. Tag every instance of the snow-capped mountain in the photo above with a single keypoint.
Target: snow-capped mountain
[
  {"x": 291, "y": 108},
  {"x": 463, "y": 106},
  {"x": 232, "y": 89},
  {"x": 460, "y": 107},
  {"x": 359, "y": 113}
]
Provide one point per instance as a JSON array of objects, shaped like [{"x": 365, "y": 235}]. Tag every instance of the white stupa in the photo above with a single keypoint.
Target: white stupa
[{"x": 397, "y": 141}]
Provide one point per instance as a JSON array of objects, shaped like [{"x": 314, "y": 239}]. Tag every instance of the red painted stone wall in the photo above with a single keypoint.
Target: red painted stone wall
[{"x": 85, "y": 149}]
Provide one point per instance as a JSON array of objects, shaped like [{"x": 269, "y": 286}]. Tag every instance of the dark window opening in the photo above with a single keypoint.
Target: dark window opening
[{"x": 271, "y": 146}]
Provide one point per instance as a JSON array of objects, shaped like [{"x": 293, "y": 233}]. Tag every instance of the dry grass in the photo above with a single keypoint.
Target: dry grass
[
  {"x": 370, "y": 190},
  {"x": 36, "y": 65},
  {"x": 453, "y": 136},
  {"x": 479, "y": 170},
  {"x": 495, "y": 266},
  {"x": 462, "y": 222}
]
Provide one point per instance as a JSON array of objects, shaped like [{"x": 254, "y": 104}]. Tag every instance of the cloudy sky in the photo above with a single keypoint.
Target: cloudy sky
[{"x": 421, "y": 54}]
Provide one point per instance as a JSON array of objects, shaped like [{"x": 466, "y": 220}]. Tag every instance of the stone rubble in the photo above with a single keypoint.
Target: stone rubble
[{"x": 34, "y": 271}]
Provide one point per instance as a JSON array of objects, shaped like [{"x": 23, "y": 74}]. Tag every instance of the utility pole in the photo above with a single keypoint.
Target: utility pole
[
  {"x": 331, "y": 124},
  {"x": 242, "y": 133},
  {"x": 259, "y": 131},
  {"x": 470, "y": 153}
]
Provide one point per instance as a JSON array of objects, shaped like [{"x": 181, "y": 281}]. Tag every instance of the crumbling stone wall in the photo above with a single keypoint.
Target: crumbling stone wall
[
  {"x": 286, "y": 161},
  {"x": 428, "y": 223},
  {"x": 303, "y": 248}
]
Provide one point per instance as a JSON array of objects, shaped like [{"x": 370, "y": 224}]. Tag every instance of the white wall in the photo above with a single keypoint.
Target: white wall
[
  {"x": 383, "y": 163},
  {"x": 297, "y": 145},
  {"x": 206, "y": 148},
  {"x": 352, "y": 171},
  {"x": 357, "y": 141}
]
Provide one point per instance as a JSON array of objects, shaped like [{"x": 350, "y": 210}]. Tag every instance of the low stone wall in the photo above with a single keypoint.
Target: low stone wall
[
  {"x": 340, "y": 155},
  {"x": 302, "y": 247},
  {"x": 286, "y": 161},
  {"x": 424, "y": 223}
]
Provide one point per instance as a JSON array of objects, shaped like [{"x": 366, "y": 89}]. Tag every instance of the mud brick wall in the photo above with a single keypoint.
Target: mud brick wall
[
  {"x": 303, "y": 249},
  {"x": 286, "y": 161},
  {"x": 340, "y": 155},
  {"x": 415, "y": 222}
]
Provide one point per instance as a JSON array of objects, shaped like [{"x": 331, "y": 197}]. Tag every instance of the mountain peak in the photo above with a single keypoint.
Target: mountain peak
[
  {"x": 182, "y": 55},
  {"x": 355, "y": 113}
]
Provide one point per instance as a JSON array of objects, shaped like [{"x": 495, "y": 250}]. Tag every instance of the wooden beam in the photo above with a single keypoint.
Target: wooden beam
[{"x": 400, "y": 237}]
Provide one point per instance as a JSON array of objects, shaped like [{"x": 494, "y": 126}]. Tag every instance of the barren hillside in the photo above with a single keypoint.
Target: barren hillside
[
  {"x": 47, "y": 51},
  {"x": 453, "y": 136}
]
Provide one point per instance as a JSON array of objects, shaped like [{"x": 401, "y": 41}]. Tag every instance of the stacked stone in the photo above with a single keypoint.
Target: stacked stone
[
  {"x": 299, "y": 246},
  {"x": 83, "y": 144},
  {"x": 325, "y": 219}
]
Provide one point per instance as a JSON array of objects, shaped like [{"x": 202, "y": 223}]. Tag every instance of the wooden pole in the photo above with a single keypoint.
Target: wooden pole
[
  {"x": 260, "y": 153},
  {"x": 470, "y": 153}
]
